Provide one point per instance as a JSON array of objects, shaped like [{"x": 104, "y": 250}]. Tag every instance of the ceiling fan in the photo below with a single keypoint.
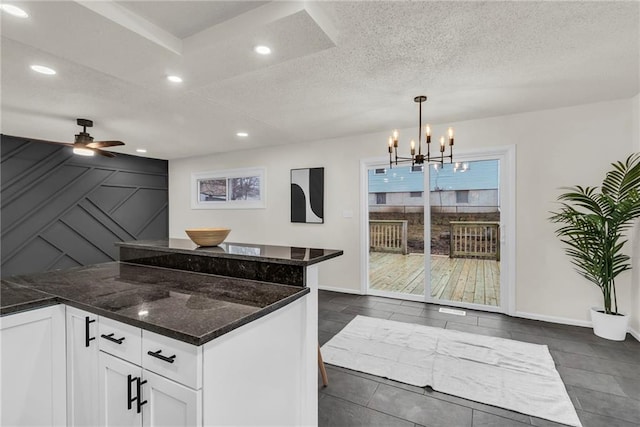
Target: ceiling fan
[{"x": 84, "y": 144}]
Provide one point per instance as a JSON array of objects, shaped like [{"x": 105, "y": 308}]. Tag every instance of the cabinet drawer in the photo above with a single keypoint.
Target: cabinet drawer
[
  {"x": 172, "y": 359},
  {"x": 120, "y": 339}
]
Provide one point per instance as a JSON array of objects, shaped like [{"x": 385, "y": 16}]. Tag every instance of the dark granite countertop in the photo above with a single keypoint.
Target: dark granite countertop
[
  {"x": 15, "y": 298},
  {"x": 241, "y": 251},
  {"x": 191, "y": 307}
]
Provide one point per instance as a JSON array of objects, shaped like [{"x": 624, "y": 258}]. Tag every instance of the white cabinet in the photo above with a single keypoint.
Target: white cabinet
[
  {"x": 113, "y": 374},
  {"x": 176, "y": 360},
  {"x": 121, "y": 340},
  {"x": 120, "y": 384},
  {"x": 82, "y": 368},
  {"x": 33, "y": 368},
  {"x": 254, "y": 375},
  {"x": 170, "y": 403},
  {"x": 131, "y": 396}
]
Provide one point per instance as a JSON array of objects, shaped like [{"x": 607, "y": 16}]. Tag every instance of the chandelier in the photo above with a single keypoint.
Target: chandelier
[{"x": 418, "y": 159}]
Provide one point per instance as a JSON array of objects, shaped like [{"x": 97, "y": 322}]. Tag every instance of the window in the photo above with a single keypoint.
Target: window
[
  {"x": 381, "y": 198},
  {"x": 462, "y": 196},
  {"x": 415, "y": 194},
  {"x": 228, "y": 189}
]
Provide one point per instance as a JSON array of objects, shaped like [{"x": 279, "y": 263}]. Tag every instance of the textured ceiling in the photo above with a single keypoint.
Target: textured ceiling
[
  {"x": 195, "y": 15},
  {"x": 337, "y": 68}
]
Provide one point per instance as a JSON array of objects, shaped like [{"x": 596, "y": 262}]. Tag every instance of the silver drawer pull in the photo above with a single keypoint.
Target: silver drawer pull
[{"x": 157, "y": 355}]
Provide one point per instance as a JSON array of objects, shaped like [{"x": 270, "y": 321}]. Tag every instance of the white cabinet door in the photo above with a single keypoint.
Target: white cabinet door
[
  {"x": 33, "y": 370},
  {"x": 82, "y": 368},
  {"x": 170, "y": 403},
  {"x": 119, "y": 392}
]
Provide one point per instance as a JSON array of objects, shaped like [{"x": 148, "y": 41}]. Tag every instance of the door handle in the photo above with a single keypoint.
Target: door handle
[
  {"x": 139, "y": 400},
  {"x": 87, "y": 339},
  {"x": 131, "y": 399}
]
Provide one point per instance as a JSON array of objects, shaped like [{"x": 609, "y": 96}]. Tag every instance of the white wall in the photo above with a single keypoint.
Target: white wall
[
  {"x": 554, "y": 148},
  {"x": 635, "y": 272}
]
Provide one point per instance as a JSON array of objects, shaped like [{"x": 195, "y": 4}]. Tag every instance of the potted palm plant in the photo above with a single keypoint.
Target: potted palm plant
[{"x": 593, "y": 223}]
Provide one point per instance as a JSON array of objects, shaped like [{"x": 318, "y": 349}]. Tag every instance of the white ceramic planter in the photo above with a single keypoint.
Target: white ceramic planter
[{"x": 609, "y": 326}]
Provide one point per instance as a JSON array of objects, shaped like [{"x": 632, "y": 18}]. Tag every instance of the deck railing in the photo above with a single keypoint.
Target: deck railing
[
  {"x": 388, "y": 236},
  {"x": 479, "y": 239}
]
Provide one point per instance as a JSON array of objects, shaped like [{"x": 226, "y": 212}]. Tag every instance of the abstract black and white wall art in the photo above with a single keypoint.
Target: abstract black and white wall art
[{"x": 307, "y": 195}]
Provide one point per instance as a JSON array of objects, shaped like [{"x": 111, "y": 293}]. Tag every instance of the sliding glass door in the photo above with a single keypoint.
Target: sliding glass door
[
  {"x": 465, "y": 233},
  {"x": 463, "y": 205},
  {"x": 396, "y": 206}
]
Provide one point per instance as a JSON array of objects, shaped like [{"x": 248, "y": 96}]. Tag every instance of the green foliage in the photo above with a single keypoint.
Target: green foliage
[{"x": 593, "y": 225}]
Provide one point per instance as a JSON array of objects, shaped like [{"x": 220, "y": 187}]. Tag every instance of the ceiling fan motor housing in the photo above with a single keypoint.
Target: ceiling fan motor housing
[{"x": 84, "y": 137}]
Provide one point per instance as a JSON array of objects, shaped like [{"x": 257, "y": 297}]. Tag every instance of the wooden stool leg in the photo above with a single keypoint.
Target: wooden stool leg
[{"x": 323, "y": 371}]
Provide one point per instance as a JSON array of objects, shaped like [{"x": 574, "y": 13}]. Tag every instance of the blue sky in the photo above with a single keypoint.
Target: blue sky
[{"x": 481, "y": 175}]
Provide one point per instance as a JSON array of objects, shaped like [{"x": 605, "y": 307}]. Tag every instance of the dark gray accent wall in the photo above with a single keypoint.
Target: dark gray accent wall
[{"x": 59, "y": 210}]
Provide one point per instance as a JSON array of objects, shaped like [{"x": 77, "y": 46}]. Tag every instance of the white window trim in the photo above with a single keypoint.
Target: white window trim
[
  {"x": 196, "y": 177},
  {"x": 507, "y": 155}
]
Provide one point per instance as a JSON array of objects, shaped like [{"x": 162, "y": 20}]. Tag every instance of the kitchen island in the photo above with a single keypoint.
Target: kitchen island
[{"x": 250, "y": 343}]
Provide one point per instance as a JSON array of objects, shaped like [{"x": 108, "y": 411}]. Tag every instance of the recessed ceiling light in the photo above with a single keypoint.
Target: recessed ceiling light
[
  {"x": 262, "y": 50},
  {"x": 242, "y": 134},
  {"x": 174, "y": 79},
  {"x": 43, "y": 70},
  {"x": 13, "y": 10},
  {"x": 141, "y": 150}
]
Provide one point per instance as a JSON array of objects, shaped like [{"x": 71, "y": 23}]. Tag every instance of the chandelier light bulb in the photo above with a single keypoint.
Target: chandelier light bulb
[{"x": 417, "y": 158}]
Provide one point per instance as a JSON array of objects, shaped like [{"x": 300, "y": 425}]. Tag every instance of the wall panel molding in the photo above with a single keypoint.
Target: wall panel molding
[{"x": 59, "y": 210}]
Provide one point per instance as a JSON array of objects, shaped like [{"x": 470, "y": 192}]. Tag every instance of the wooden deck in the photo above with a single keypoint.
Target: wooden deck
[{"x": 453, "y": 279}]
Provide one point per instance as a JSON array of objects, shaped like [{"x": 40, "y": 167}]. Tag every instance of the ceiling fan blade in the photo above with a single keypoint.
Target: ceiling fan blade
[
  {"x": 103, "y": 153},
  {"x": 102, "y": 144}
]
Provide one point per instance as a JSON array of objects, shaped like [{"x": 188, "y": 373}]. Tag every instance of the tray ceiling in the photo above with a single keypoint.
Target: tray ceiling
[{"x": 337, "y": 68}]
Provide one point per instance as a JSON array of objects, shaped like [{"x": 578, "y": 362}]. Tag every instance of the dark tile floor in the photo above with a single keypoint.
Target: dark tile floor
[{"x": 602, "y": 377}]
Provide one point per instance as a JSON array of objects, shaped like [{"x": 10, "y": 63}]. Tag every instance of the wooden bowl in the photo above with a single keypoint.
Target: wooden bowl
[{"x": 207, "y": 236}]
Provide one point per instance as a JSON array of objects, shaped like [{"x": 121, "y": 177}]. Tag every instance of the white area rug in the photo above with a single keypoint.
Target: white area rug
[{"x": 500, "y": 372}]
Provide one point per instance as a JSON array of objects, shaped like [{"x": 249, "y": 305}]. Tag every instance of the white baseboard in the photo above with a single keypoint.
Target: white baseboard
[
  {"x": 525, "y": 315},
  {"x": 553, "y": 319},
  {"x": 343, "y": 290},
  {"x": 567, "y": 321}
]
